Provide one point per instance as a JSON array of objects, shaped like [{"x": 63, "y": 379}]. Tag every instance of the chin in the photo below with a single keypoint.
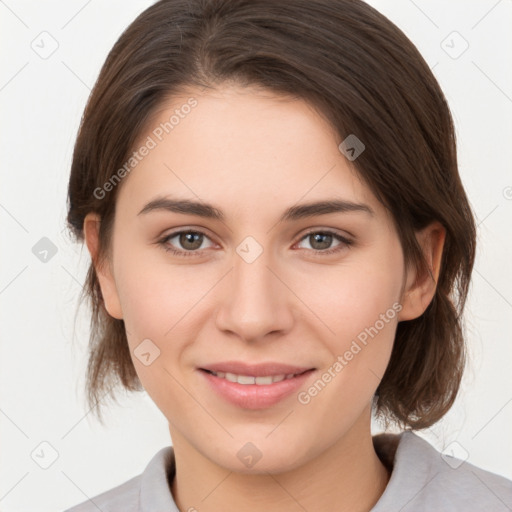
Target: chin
[{"x": 260, "y": 457}]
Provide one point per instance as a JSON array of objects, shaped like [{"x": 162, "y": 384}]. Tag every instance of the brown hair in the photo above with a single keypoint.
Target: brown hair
[{"x": 367, "y": 78}]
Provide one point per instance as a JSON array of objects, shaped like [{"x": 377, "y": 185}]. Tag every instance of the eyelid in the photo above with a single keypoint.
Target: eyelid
[
  {"x": 345, "y": 241},
  {"x": 205, "y": 232},
  {"x": 319, "y": 229},
  {"x": 187, "y": 229}
]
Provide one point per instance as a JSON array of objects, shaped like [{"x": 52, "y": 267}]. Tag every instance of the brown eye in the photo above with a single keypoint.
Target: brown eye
[
  {"x": 188, "y": 243},
  {"x": 190, "y": 240},
  {"x": 321, "y": 242}
]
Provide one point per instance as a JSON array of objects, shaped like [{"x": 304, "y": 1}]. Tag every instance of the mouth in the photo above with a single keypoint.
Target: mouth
[
  {"x": 252, "y": 379},
  {"x": 255, "y": 386}
]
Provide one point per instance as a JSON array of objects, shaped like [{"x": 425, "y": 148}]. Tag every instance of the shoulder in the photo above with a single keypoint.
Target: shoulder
[
  {"x": 149, "y": 489},
  {"x": 122, "y": 497},
  {"x": 425, "y": 479}
]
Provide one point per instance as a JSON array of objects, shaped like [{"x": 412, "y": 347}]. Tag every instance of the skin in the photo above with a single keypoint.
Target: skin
[{"x": 253, "y": 154}]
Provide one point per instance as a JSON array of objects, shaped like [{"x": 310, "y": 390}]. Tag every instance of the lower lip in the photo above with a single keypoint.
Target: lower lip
[{"x": 254, "y": 396}]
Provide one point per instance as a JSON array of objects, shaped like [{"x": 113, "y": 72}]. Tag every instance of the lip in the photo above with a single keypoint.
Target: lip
[
  {"x": 256, "y": 370},
  {"x": 255, "y": 396}
]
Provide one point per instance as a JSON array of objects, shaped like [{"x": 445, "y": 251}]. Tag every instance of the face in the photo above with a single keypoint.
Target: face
[{"x": 242, "y": 286}]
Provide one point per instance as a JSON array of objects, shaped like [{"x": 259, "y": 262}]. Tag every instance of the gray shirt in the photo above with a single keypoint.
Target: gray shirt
[{"x": 422, "y": 479}]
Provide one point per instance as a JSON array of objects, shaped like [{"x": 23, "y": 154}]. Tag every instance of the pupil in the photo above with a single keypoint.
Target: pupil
[
  {"x": 187, "y": 238},
  {"x": 325, "y": 244}
]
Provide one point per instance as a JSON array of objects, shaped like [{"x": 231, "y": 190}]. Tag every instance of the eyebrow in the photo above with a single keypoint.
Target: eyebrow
[{"x": 296, "y": 212}]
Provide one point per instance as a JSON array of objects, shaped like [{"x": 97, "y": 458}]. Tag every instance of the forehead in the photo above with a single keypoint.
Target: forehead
[{"x": 243, "y": 146}]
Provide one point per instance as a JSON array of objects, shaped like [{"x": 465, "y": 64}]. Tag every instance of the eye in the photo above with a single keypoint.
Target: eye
[
  {"x": 190, "y": 240},
  {"x": 322, "y": 240}
]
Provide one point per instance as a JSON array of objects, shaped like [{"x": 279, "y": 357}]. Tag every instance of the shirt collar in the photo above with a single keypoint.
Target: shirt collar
[
  {"x": 155, "y": 491},
  {"x": 156, "y": 495}
]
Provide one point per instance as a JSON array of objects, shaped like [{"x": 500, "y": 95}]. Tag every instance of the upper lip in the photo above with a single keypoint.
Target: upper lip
[{"x": 255, "y": 370}]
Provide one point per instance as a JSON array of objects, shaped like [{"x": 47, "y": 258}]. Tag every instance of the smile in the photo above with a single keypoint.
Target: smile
[
  {"x": 249, "y": 379},
  {"x": 255, "y": 391}
]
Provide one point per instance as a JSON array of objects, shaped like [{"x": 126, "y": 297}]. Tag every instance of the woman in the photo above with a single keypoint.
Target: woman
[{"x": 281, "y": 247}]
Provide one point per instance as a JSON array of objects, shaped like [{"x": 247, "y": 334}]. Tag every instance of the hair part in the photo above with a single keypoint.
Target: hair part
[{"x": 366, "y": 78}]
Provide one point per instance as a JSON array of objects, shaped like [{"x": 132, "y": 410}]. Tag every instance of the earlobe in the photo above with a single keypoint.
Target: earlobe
[
  {"x": 104, "y": 274},
  {"x": 420, "y": 289}
]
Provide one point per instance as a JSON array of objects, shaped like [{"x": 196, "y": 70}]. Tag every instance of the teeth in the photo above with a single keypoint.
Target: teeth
[
  {"x": 265, "y": 380},
  {"x": 248, "y": 379}
]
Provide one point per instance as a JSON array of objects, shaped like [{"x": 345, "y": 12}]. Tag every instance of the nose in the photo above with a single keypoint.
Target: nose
[{"x": 255, "y": 300}]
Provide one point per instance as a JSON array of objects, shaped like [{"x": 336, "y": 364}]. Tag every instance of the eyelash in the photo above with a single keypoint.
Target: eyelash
[{"x": 345, "y": 241}]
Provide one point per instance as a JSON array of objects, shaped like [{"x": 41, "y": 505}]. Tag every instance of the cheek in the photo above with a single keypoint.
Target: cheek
[
  {"x": 155, "y": 315},
  {"x": 157, "y": 297},
  {"x": 161, "y": 303},
  {"x": 358, "y": 303},
  {"x": 352, "y": 297},
  {"x": 361, "y": 312}
]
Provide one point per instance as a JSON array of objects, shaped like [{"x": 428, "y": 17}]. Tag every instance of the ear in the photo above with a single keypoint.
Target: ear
[
  {"x": 106, "y": 280},
  {"x": 420, "y": 288}
]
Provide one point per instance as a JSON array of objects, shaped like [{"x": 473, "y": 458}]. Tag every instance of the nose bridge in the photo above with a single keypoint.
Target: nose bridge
[
  {"x": 253, "y": 279},
  {"x": 256, "y": 301}
]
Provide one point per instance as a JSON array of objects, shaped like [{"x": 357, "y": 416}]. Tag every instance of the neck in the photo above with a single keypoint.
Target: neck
[{"x": 348, "y": 476}]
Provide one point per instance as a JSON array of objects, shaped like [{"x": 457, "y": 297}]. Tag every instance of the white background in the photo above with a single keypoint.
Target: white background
[{"x": 43, "y": 352}]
